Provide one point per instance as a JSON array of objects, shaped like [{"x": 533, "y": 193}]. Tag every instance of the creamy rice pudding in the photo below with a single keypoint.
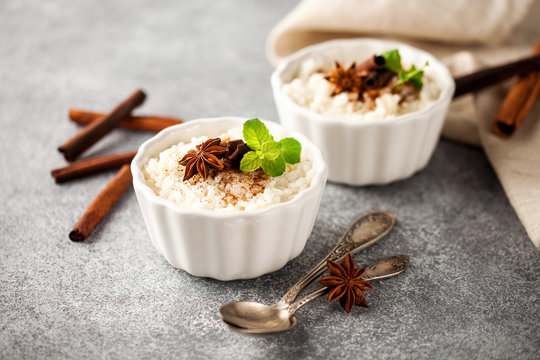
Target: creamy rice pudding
[
  {"x": 228, "y": 189},
  {"x": 312, "y": 90}
]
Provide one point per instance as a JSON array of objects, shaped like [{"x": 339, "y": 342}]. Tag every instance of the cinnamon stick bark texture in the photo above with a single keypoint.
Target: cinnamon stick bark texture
[
  {"x": 143, "y": 123},
  {"x": 486, "y": 77},
  {"x": 97, "y": 129},
  {"x": 378, "y": 78},
  {"x": 374, "y": 62},
  {"x": 518, "y": 102},
  {"x": 91, "y": 166},
  {"x": 101, "y": 205}
]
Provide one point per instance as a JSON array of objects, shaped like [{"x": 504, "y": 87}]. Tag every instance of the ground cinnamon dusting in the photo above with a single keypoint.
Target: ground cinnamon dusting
[{"x": 238, "y": 185}]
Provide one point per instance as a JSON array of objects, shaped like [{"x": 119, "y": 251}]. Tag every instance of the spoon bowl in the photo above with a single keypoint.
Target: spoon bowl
[
  {"x": 258, "y": 317},
  {"x": 255, "y": 315}
]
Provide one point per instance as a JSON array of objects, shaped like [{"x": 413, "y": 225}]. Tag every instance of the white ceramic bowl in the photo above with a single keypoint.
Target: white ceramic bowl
[
  {"x": 227, "y": 245},
  {"x": 375, "y": 151}
]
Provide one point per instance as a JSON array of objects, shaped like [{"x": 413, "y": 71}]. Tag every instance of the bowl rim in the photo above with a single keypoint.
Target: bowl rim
[
  {"x": 318, "y": 181},
  {"x": 447, "y": 81}
]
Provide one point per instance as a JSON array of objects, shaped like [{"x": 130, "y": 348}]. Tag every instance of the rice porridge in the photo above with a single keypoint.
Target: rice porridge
[
  {"x": 310, "y": 89},
  {"x": 227, "y": 190}
]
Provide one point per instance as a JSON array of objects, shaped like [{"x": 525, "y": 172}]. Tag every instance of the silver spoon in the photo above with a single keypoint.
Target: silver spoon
[
  {"x": 272, "y": 320},
  {"x": 363, "y": 232}
]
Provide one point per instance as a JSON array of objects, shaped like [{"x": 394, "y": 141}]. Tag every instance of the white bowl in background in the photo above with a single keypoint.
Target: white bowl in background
[
  {"x": 227, "y": 245},
  {"x": 373, "y": 151}
]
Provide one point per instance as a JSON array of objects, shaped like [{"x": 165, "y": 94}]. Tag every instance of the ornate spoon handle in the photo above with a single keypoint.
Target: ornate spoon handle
[
  {"x": 362, "y": 233},
  {"x": 382, "y": 269}
]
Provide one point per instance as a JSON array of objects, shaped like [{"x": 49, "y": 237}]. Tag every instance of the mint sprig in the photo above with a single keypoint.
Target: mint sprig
[
  {"x": 268, "y": 154},
  {"x": 393, "y": 60},
  {"x": 412, "y": 76}
]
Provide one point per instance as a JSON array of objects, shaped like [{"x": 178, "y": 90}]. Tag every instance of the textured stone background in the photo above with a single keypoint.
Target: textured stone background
[{"x": 472, "y": 290}]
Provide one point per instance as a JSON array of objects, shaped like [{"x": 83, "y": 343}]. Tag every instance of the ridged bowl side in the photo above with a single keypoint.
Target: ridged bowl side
[{"x": 228, "y": 249}]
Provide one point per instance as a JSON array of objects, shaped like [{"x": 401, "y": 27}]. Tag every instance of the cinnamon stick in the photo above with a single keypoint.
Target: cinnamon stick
[
  {"x": 493, "y": 75},
  {"x": 518, "y": 102},
  {"x": 91, "y": 166},
  {"x": 374, "y": 62},
  {"x": 377, "y": 79},
  {"x": 143, "y": 123},
  {"x": 97, "y": 129},
  {"x": 101, "y": 205}
]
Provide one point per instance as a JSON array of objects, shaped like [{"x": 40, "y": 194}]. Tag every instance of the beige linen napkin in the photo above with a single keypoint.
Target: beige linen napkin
[
  {"x": 484, "y": 29},
  {"x": 453, "y": 22}
]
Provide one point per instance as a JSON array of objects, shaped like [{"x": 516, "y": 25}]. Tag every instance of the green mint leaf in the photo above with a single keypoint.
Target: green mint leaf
[
  {"x": 416, "y": 79},
  {"x": 270, "y": 150},
  {"x": 256, "y": 134},
  {"x": 250, "y": 161},
  {"x": 413, "y": 76},
  {"x": 274, "y": 167},
  {"x": 291, "y": 149},
  {"x": 271, "y": 155},
  {"x": 393, "y": 60},
  {"x": 403, "y": 76}
]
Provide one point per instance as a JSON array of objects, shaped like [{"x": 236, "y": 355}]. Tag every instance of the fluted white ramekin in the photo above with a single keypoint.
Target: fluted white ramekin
[
  {"x": 375, "y": 151},
  {"x": 232, "y": 245}
]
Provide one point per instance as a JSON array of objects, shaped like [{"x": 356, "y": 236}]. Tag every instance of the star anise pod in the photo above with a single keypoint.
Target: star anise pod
[
  {"x": 346, "y": 284},
  {"x": 344, "y": 80},
  {"x": 206, "y": 155}
]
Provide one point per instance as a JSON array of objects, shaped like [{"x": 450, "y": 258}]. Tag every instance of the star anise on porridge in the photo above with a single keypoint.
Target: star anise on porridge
[
  {"x": 205, "y": 156},
  {"x": 344, "y": 80},
  {"x": 346, "y": 284}
]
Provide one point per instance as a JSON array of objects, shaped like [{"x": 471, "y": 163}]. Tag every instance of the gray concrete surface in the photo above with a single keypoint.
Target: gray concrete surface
[{"x": 472, "y": 290}]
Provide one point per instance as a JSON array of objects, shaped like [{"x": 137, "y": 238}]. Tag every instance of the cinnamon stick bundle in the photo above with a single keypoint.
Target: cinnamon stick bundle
[
  {"x": 518, "y": 102},
  {"x": 97, "y": 129},
  {"x": 91, "y": 166},
  {"x": 101, "y": 205},
  {"x": 143, "y": 123}
]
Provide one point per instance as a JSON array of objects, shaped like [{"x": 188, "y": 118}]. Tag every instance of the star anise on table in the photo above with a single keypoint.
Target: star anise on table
[
  {"x": 344, "y": 80},
  {"x": 206, "y": 155},
  {"x": 346, "y": 284}
]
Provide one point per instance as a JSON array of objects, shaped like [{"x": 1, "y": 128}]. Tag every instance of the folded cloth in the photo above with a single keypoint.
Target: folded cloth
[
  {"x": 453, "y": 22},
  {"x": 450, "y": 27}
]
